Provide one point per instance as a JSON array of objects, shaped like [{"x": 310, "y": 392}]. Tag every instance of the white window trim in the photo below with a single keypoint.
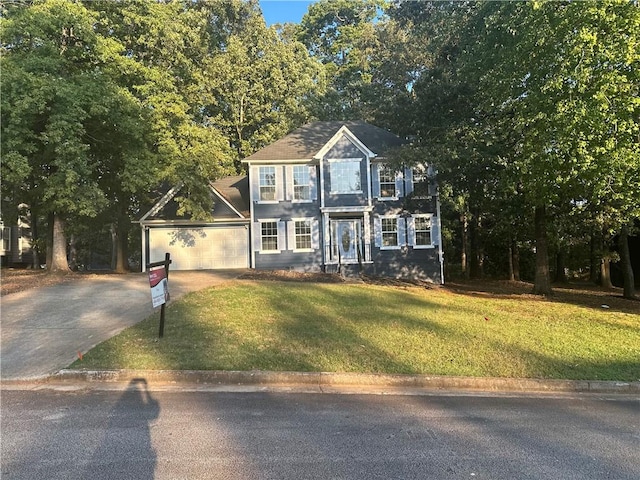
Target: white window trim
[
  {"x": 396, "y": 189},
  {"x": 278, "y": 186},
  {"x": 345, "y": 160},
  {"x": 399, "y": 221},
  {"x": 412, "y": 231},
  {"x": 291, "y": 229},
  {"x": 281, "y": 236},
  {"x": 291, "y": 186}
]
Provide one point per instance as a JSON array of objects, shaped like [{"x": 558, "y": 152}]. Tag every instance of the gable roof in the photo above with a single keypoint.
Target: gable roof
[
  {"x": 306, "y": 141},
  {"x": 235, "y": 190},
  {"x": 232, "y": 192}
]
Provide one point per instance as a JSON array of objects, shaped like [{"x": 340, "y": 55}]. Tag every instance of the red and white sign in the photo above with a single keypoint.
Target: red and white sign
[{"x": 159, "y": 286}]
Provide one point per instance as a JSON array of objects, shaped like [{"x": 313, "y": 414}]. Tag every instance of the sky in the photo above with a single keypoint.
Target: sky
[{"x": 282, "y": 11}]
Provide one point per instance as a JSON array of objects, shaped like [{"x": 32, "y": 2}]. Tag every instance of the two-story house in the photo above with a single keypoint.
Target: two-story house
[{"x": 323, "y": 199}]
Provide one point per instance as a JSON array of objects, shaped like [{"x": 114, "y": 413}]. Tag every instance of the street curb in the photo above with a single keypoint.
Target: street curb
[{"x": 330, "y": 381}]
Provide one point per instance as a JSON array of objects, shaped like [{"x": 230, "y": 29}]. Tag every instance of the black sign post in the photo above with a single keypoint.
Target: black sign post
[{"x": 165, "y": 264}]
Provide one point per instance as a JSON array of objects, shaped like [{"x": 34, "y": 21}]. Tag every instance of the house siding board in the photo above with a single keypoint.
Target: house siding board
[
  {"x": 405, "y": 263},
  {"x": 222, "y": 210},
  {"x": 288, "y": 260}
]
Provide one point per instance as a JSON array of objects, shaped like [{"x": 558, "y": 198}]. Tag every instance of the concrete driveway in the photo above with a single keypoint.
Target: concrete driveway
[{"x": 42, "y": 330}]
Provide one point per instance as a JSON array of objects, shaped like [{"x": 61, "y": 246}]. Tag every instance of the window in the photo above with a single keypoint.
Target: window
[
  {"x": 423, "y": 230},
  {"x": 387, "y": 182},
  {"x": 345, "y": 176},
  {"x": 301, "y": 183},
  {"x": 269, "y": 236},
  {"x": 389, "y": 232},
  {"x": 267, "y": 183},
  {"x": 303, "y": 234}
]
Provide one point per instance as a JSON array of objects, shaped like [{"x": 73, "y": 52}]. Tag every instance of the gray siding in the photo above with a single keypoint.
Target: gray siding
[
  {"x": 288, "y": 260},
  {"x": 222, "y": 210},
  {"x": 421, "y": 264}
]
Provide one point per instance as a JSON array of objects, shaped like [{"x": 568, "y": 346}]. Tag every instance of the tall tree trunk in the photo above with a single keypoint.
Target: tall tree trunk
[
  {"x": 625, "y": 262},
  {"x": 605, "y": 263},
  {"x": 59, "y": 246},
  {"x": 516, "y": 261},
  {"x": 73, "y": 253},
  {"x": 594, "y": 268},
  {"x": 463, "y": 253},
  {"x": 477, "y": 252},
  {"x": 542, "y": 283},
  {"x": 512, "y": 275},
  {"x": 49, "y": 242},
  {"x": 35, "y": 249},
  {"x": 561, "y": 275},
  {"x": 122, "y": 251},
  {"x": 113, "y": 230}
]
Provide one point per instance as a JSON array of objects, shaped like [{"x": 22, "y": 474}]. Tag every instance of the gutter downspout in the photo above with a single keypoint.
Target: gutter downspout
[{"x": 440, "y": 252}]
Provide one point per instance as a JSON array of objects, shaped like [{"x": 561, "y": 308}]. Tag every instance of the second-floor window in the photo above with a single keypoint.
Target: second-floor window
[
  {"x": 387, "y": 182},
  {"x": 345, "y": 176},
  {"x": 267, "y": 183},
  {"x": 301, "y": 184}
]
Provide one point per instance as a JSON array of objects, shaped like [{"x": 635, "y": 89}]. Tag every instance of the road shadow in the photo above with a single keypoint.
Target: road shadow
[{"x": 126, "y": 451}]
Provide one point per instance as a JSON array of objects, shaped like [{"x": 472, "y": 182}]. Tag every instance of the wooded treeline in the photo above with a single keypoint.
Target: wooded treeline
[{"x": 530, "y": 112}]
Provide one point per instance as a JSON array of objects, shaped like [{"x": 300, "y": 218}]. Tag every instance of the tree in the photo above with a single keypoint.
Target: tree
[
  {"x": 546, "y": 94},
  {"x": 53, "y": 87},
  {"x": 257, "y": 86},
  {"x": 341, "y": 34}
]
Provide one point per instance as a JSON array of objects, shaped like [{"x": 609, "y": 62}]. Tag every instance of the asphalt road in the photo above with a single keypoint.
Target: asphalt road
[{"x": 138, "y": 434}]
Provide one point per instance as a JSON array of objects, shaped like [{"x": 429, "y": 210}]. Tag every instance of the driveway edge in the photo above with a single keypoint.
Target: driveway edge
[{"x": 326, "y": 381}]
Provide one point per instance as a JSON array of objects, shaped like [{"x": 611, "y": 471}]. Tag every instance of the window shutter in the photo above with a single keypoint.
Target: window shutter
[
  {"x": 375, "y": 180},
  {"x": 282, "y": 236},
  {"x": 402, "y": 232},
  {"x": 315, "y": 234},
  {"x": 411, "y": 231},
  {"x": 313, "y": 183},
  {"x": 254, "y": 177},
  {"x": 289, "y": 189},
  {"x": 399, "y": 185},
  {"x": 257, "y": 236},
  {"x": 377, "y": 231},
  {"x": 279, "y": 184},
  {"x": 433, "y": 190},
  {"x": 408, "y": 181},
  {"x": 291, "y": 235},
  {"x": 435, "y": 231}
]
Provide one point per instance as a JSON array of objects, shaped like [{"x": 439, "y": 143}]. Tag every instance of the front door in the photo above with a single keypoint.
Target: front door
[{"x": 345, "y": 240}]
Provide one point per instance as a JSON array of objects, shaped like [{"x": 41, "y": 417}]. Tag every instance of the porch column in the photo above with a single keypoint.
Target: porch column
[
  {"x": 367, "y": 237},
  {"x": 325, "y": 238}
]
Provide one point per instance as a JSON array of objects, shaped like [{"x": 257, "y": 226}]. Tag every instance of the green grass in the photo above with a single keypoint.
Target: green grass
[{"x": 285, "y": 326}]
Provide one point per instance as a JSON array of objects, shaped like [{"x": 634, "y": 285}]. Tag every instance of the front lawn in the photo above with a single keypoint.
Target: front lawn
[{"x": 301, "y": 326}]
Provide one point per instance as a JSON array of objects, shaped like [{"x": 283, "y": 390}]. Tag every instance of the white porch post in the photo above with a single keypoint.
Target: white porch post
[
  {"x": 367, "y": 237},
  {"x": 325, "y": 237}
]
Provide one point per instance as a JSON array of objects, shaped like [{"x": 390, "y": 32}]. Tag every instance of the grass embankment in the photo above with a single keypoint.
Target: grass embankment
[{"x": 284, "y": 326}]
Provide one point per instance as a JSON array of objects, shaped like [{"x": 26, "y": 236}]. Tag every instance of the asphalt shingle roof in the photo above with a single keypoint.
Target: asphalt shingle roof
[{"x": 309, "y": 139}]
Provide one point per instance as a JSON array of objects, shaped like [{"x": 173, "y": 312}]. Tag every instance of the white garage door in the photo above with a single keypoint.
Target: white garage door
[{"x": 203, "y": 248}]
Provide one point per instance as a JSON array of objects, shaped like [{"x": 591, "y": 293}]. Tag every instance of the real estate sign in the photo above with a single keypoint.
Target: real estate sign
[{"x": 159, "y": 286}]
